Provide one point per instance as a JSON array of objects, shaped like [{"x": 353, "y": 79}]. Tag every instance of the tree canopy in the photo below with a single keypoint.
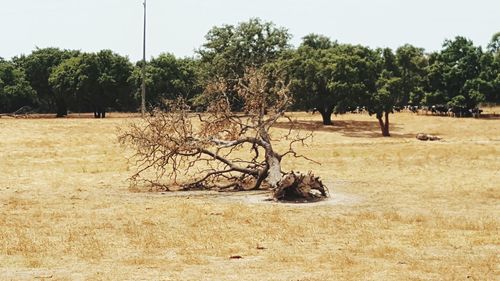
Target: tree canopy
[
  {"x": 93, "y": 82},
  {"x": 230, "y": 50},
  {"x": 168, "y": 77},
  {"x": 323, "y": 74},
  {"x": 330, "y": 77},
  {"x": 15, "y": 90},
  {"x": 455, "y": 72},
  {"x": 38, "y": 66}
]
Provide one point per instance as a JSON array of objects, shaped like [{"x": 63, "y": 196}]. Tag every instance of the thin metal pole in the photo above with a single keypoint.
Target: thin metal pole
[{"x": 143, "y": 95}]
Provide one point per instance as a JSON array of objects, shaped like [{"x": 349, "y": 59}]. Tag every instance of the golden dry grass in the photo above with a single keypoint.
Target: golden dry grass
[{"x": 412, "y": 210}]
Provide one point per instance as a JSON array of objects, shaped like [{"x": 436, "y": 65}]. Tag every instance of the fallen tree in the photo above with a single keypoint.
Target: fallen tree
[{"x": 222, "y": 149}]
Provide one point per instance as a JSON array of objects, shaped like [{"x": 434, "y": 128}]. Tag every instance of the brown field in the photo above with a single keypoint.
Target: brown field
[{"x": 401, "y": 209}]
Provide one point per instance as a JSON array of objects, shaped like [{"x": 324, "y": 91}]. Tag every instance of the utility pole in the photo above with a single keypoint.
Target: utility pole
[{"x": 143, "y": 95}]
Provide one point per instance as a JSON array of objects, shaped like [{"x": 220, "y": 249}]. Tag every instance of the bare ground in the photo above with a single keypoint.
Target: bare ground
[{"x": 401, "y": 209}]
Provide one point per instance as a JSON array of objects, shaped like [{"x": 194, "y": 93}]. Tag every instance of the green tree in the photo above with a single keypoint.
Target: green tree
[
  {"x": 113, "y": 88},
  {"x": 168, "y": 78},
  {"x": 494, "y": 45},
  {"x": 489, "y": 78},
  {"x": 230, "y": 50},
  {"x": 331, "y": 79},
  {"x": 401, "y": 81},
  {"x": 390, "y": 91},
  {"x": 318, "y": 42},
  {"x": 434, "y": 90},
  {"x": 15, "y": 90},
  {"x": 93, "y": 82},
  {"x": 69, "y": 83},
  {"x": 452, "y": 71},
  {"x": 412, "y": 69},
  {"x": 38, "y": 65}
]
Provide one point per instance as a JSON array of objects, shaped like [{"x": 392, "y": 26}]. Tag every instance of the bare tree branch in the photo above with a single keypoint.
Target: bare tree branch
[{"x": 201, "y": 150}]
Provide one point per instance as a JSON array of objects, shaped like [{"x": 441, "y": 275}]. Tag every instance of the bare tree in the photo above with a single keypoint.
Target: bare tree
[{"x": 222, "y": 149}]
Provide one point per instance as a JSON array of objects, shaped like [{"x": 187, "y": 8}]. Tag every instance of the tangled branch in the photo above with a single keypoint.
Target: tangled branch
[{"x": 221, "y": 148}]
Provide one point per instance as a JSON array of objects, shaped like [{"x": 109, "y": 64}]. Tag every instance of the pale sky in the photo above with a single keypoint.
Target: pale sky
[{"x": 179, "y": 26}]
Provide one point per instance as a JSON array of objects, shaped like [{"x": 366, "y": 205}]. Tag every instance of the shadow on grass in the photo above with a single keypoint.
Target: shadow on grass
[{"x": 348, "y": 128}]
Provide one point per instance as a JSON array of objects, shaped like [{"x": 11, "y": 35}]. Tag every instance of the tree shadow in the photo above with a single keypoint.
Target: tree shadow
[{"x": 348, "y": 128}]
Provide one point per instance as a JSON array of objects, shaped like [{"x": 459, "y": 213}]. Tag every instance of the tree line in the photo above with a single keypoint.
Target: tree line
[{"x": 323, "y": 74}]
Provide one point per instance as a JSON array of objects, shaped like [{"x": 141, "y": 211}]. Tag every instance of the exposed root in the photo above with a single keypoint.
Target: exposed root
[{"x": 297, "y": 187}]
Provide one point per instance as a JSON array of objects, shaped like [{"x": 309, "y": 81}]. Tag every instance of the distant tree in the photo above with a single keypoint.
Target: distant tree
[
  {"x": 67, "y": 85},
  {"x": 318, "y": 42},
  {"x": 93, "y": 82},
  {"x": 434, "y": 90},
  {"x": 168, "y": 77},
  {"x": 412, "y": 69},
  {"x": 488, "y": 82},
  {"x": 15, "y": 90},
  {"x": 390, "y": 91},
  {"x": 401, "y": 81},
  {"x": 229, "y": 50},
  {"x": 38, "y": 65},
  {"x": 113, "y": 86},
  {"x": 434, "y": 98},
  {"x": 494, "y": 45},
  {"x": 310, "y": 70},
  {"x": 453, "y": 71},
  {"x": 457, "y": 102},
  {"x": 332, "y": 79}
]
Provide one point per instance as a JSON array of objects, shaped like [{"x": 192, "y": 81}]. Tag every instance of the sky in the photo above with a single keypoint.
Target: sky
[{"x": 180, "y": 26}]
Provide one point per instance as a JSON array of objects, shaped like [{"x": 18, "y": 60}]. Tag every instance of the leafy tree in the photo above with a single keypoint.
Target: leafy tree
[
  {"x": 493, "y": 78},
  {"x": 15, "y": 90},
  {"x": 113, "y": 86},
  {"x": 390, "y": 91},
  {"x": 318, "y": 42},
  {"x": 412, "y": 68},
  {"x": 457, "y": 102},
  {"x": 401, "y": 81},
  {"x": 453, "y": 71},
  {"x": 494, "y": 45},
  {"x": 93, "y": 82},
  {"x": 311, "y": 73},
  {"x": 230, "y": 50},
  {"x": 433, "y": 98},
  {"x": 66, "y": 83},
  {"x": 168, "y": 77},
  {"x": 489, "y": 78},
  {"x": 38, "y": 66},
  {"x": 434, "y": 93},
  {"x": 332, "y": 79}
]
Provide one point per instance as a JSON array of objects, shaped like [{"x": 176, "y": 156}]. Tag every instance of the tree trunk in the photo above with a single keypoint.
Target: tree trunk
[
  {"x": 384, "y": 126},
  {"x": 274, "y": 174},
  {"x": 326, "y": 114},
  {"x": 62, "y": 110},
  {"x": 99, "y": 112},
  {"x": 387, "y": 134},
  {"x": 273, "y": 160}
]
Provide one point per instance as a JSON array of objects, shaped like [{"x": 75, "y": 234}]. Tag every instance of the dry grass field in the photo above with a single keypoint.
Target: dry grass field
[{"x": 401, "y": 209}]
